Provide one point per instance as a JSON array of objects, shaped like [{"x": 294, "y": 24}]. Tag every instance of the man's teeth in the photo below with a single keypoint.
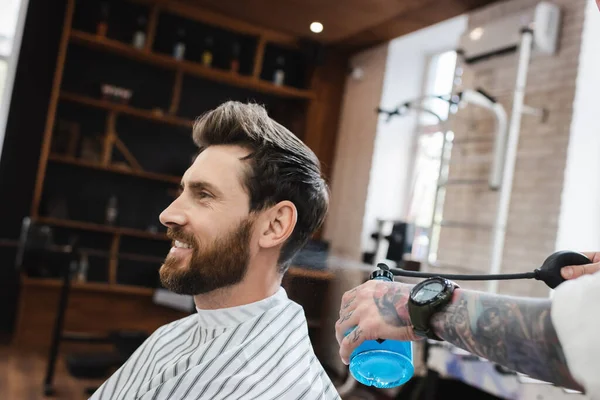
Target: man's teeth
[{"x": 182, "y": 245}]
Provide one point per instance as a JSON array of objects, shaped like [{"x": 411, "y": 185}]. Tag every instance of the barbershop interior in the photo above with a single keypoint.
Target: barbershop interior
[{"x": 459, "y": 139}]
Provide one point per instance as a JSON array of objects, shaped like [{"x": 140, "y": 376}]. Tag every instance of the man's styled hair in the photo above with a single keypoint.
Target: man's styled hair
[{"x": 282, "y": 167}]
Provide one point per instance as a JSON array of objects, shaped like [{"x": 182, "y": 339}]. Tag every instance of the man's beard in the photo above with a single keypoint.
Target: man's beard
[{"x": 213, "y": 266}]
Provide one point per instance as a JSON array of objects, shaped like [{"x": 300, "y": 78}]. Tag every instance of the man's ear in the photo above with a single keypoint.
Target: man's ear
[{"x": 278, "y": 224}]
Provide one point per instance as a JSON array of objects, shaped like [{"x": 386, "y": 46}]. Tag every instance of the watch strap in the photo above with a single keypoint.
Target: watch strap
[{"x": 420, "y": 317}]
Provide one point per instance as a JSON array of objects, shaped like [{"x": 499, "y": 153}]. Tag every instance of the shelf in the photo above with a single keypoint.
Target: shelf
[
  {"x": 203, "y": 15},
  {"x": 114, "y": 169},
  {"x": 296, "y": 272},
  {"x": 121, "y": 256},
  {"x": 301, "y": 272},
  {"x": 88, "y": 226},
  {"x": 125, "y": 109},
  {"x": 9, "y": 243},
  {"x": 229, "y": 78},
  {"x": 89, "y": 286},
  {"x": 100, "y": 287}
]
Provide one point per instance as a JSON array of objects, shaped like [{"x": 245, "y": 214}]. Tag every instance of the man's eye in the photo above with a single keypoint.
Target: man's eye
[{"x": 204, "y": 195}]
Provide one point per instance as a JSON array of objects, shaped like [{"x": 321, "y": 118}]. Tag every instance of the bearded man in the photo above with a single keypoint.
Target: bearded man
[{"x": 252, "y": 198}]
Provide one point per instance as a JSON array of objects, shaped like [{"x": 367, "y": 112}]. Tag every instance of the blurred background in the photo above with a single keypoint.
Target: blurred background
[{"x": 458, "y": 136}]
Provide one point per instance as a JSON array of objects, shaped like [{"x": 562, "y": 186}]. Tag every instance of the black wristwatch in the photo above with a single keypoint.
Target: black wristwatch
[{"x": 426, "y": 298}]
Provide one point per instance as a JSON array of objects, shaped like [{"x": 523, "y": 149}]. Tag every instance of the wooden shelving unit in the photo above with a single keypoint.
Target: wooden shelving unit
[
  {"x": 127, "y": 110},
  {"x": 89, "y": 286},
  {"x": 299, "y": 272},
  {"x": 87, "y": 226},
  {"x": 167, "y": 62},
  {"x": 136, "y": 290},
  {"x": 114, "y": 169}
]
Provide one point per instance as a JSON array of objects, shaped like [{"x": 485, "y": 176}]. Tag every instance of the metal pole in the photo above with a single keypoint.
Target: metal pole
[
  {"x": 57, "y": 331},
  {"x": 511, "y": 155},
  {"x": 442, "y": 176}
]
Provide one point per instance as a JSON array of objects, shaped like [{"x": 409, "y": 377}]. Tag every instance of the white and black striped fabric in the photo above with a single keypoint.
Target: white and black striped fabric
[{"x": 256, "y": 351}]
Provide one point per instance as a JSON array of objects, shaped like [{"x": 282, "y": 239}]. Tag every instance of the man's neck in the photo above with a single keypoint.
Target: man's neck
[{"x": 256, "y": 286}]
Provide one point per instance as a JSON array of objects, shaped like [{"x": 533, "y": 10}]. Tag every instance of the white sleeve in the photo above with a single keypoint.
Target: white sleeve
[{"x": 576, "y": 318}]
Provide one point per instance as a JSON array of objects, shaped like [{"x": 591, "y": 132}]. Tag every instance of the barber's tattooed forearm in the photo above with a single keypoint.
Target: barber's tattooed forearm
[
  {"x": 391, "y": 301},
  {"x": 514, "y": 332}
]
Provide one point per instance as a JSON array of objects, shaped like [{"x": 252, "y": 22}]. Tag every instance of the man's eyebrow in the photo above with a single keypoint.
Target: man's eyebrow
[{"x": 201, "y": 185}]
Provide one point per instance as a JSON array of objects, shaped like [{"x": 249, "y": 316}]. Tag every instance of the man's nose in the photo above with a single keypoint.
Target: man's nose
[{"x": 173, "y": 215}]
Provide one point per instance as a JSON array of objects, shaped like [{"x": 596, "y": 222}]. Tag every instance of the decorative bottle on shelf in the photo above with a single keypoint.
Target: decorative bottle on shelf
[
  {"x": 112, "y": 210},
  {"x": 235, "y": 58},
  {"x": 207, "y": 54},
  {"x": 139, "y": 37},
  {"x": 83, "y": 268},
  {"x": 179, "y": 48},
  {"x": 102, "y": 26},
  {"x": 279, "y": 75}
]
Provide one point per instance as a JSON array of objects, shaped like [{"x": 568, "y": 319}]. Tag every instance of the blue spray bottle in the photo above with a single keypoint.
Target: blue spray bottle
[{"x": 382, "y": 363}]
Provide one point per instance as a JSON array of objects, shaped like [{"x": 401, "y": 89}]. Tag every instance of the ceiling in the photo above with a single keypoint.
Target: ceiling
[{"x": 351, "y": 24}]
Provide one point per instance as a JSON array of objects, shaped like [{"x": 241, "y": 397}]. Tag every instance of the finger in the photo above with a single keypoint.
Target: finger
[
  {"x": 348, "y": 305},
  {"x": 367, "y": 330},
  {"x": 575, "y": 271},
  {"x": 351, "y": 342},
  {"x": 347, "y": 321},
  {"x": 593, "y": 256},
  {"x": 347, "y": 299}
]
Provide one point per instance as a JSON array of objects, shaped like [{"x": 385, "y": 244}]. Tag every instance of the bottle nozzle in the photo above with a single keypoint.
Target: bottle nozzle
[
  {"x": 383, "y": 266},
  {"x": 382, "y": 273}
]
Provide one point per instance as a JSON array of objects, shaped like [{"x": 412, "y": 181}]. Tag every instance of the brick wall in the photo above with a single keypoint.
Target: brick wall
[
  {"x": 354, "y": 153},
  {"x": 539, "y": 169}
]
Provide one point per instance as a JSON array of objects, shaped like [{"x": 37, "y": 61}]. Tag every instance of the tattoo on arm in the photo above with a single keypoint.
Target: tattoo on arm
[
  {"x": 391, "y": 301},
  {"x": 514, "y": 332}
]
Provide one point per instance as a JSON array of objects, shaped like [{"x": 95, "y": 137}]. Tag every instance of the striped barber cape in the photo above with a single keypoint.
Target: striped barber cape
[{"x": 255, "y": 351}]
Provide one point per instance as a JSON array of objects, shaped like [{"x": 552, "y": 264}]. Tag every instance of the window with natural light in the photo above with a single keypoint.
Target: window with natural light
[
  {"x": 9, "y": 14},
  {"x": 3, "y": 69},
  {"x": 430, "y": 139},
  {"x": 440, "y": 79}
]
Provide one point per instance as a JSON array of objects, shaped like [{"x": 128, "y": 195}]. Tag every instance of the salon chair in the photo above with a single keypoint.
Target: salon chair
[
  {"x": 38, "y": 255},
  {"x": 400, "y": 242}
]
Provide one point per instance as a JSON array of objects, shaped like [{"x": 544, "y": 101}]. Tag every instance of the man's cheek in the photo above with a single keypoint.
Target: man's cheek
[{"x": 598, "y": 3}]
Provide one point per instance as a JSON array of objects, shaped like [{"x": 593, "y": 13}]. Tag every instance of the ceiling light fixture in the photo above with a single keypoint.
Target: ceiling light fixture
[
  {"x": 476, "y": 33},
  {"x": 316, "y": 27}
]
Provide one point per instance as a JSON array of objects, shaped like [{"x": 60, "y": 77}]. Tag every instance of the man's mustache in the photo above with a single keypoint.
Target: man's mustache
[{"x": 182, "y": 236}]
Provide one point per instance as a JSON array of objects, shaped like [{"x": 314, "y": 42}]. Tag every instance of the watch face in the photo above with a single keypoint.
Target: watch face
[{"x": 428, "y": 292}]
